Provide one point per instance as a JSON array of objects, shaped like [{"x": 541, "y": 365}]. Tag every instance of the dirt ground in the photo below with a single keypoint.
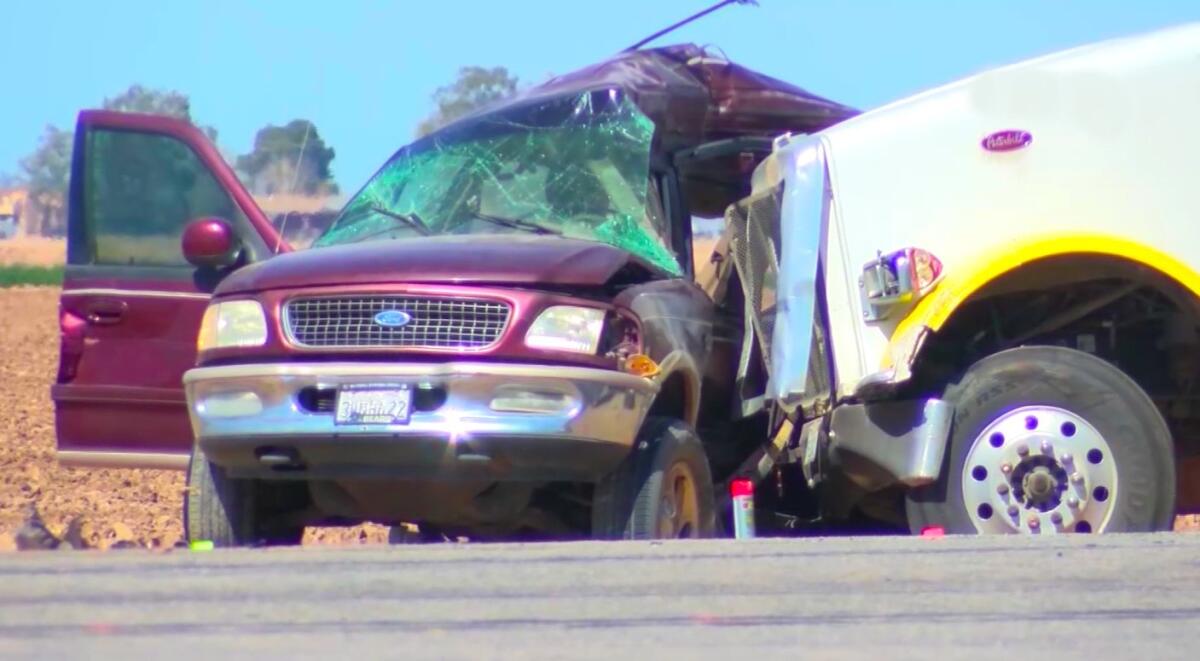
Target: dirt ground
[{"x": 116, "y": 505}]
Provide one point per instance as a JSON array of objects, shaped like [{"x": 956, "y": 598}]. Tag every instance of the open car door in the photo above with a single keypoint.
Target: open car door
[{"x": 131, "y": 304}]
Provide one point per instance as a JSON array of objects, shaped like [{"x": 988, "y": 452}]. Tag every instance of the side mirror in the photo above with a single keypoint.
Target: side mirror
[{"x": 211, "y": 243}]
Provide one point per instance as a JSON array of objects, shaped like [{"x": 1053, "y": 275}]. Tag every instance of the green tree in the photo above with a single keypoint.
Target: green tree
[
  {"x": 156, "y": 102},
  {"x": 475, "y": 88},
  {"x": 47, "y": 169},
  {"x": 150, "y": 102},
  {"x": 291, "y": 158}
]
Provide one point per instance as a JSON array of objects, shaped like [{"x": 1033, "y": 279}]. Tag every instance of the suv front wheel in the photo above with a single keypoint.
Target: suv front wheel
[
  {"x": 663, "y": 490},
  {"x": 231, "y": 512}
]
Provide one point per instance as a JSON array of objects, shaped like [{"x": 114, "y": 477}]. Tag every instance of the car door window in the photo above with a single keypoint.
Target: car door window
[{"x": 142, "y": 189}]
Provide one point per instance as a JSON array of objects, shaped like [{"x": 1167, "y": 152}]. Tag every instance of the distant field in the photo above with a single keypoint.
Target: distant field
[
  {"x": 31, "y": 261},
  {"x": 33, "y": 251},
  {"x": 16, "y": 275},
  {"x": 702, "y": 249}
]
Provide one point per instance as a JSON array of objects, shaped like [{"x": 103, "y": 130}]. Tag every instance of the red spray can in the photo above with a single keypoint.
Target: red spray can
[{"x": 741, "y": 492}]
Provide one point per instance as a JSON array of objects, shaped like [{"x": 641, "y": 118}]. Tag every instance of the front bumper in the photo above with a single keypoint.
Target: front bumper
[{"x": 469, "y": 421}]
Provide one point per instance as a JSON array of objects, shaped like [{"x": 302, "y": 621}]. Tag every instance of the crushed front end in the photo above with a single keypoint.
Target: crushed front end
[
  {"x": 454, "y": 392},
  {"x": 454, "y": 347}
]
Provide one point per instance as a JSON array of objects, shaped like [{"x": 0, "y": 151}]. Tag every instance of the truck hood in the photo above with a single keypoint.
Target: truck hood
[{"x": 508, "y": 259}]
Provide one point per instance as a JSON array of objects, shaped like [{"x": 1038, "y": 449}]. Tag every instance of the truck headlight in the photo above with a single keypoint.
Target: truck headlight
[
  {"x": 567, "y": 328},
  {"x": 232, "y": 324}
]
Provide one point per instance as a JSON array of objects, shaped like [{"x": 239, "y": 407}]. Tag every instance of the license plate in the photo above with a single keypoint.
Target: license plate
[{"x": 373, "y": 405}]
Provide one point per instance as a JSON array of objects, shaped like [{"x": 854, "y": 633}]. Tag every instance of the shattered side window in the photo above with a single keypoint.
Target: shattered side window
[{"x": 574, "y": 166}]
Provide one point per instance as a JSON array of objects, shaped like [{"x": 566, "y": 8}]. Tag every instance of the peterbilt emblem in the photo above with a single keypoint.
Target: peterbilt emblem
[
  {"x": 392, "y": 318},
  {"x": 1007, "y": 140}
]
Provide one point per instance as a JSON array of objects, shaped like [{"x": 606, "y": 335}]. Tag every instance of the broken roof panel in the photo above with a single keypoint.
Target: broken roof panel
[{"x": 694, "y": 97}]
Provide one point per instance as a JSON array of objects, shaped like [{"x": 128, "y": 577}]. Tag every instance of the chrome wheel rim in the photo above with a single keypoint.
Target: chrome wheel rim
[
  {"x": 680, "y": 513},
  {"x": 1039, "y": 470}
]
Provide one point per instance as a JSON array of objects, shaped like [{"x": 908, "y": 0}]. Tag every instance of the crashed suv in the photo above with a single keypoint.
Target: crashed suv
[{"x": 500, "y": 335}]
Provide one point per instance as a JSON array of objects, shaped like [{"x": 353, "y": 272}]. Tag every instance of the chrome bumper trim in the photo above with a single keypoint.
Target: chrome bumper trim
[
  {"x": 151, "y": 460},
  {"x": 598, "y": 407},
  {"x": 141, "y": 293},
  {"x": 417, "y": 370}
]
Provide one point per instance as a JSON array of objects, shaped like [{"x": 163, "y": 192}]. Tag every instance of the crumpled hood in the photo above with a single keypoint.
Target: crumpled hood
[{"x": 507, "y": 259}]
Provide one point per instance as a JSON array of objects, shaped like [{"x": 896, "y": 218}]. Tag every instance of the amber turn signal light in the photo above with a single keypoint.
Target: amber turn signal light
[{"x": 640, "y": 364}]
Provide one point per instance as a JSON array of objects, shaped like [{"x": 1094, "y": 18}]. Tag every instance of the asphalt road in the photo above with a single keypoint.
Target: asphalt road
[{"x": 883, "y": 598}]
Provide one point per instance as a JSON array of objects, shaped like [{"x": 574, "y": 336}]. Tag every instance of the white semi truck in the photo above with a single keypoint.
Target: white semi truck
[{"x": 978, "y": 306}]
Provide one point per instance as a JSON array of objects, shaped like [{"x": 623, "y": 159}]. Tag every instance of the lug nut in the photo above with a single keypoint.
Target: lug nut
[
  {"x": 1077, "y": 477},
  {"x": 1002, "y": 489},
  {"x": 1013, "y": 511},
  {"x": 1066, "y": 457},
  {"x": 1056, "y": 518},
  {"x": 1047, "y": 448},
  {"x": 1073, "y": 503},
  {"x": 1034, "y": 523},
  {"x": 1022, "y": 449},
  {"x": 1006, "y": 468}
]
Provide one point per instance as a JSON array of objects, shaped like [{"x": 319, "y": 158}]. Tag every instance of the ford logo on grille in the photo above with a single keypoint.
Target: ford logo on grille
[{"x": 393, "y": 318}]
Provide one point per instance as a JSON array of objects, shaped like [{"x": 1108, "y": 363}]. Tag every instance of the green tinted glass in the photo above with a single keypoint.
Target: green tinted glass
[
  {"x": 576, "y": 167},
  {"x": 141, "y": 191}
]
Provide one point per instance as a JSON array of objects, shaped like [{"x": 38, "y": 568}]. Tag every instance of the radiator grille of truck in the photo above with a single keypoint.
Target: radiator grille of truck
[
  {"x": 755, "y": 248},
  {"x": 431, "y": 323}
]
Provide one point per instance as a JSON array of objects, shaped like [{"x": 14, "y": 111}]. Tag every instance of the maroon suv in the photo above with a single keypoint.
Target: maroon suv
[{"x": 500, "y": 335}]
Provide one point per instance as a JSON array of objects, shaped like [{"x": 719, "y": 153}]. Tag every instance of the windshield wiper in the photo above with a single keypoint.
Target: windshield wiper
[
  {"x": 516, "y": 223},
  {"x": 410, "y": 219}
]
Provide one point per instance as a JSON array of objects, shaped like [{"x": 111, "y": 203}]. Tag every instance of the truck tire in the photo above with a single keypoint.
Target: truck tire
[
  {"x": 663, "y": 490},
  {"x": 1047, "y": 439},
  {"x": 228, "y": 512}
]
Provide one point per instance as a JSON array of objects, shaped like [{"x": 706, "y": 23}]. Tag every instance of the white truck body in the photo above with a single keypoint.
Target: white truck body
[
  {"x": 1110, "y": 168},
  {"x": 1063, "y": 189}
]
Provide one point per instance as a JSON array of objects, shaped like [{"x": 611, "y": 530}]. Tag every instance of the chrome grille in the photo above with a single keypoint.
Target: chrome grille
[{"x": 439, "y": 323}]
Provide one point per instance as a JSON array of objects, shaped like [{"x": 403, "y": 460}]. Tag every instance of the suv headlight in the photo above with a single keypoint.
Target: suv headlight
[
  {"x": 567, "y": 328},
  {"x": 232, "y": 324}
]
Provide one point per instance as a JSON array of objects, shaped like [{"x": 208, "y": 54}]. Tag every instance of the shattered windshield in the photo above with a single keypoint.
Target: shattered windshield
[{"x": 575, "y": 166}]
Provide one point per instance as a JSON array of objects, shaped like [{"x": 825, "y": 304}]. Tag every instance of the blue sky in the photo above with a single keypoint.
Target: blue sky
[{"x": 363, "y": 70}]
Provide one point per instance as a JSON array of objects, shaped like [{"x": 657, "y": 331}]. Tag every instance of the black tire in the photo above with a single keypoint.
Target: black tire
[
  {"x": 1081, "y": 385},
  {"x": 633, "y": 502},
  {"x": 231, "y": 512}
]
